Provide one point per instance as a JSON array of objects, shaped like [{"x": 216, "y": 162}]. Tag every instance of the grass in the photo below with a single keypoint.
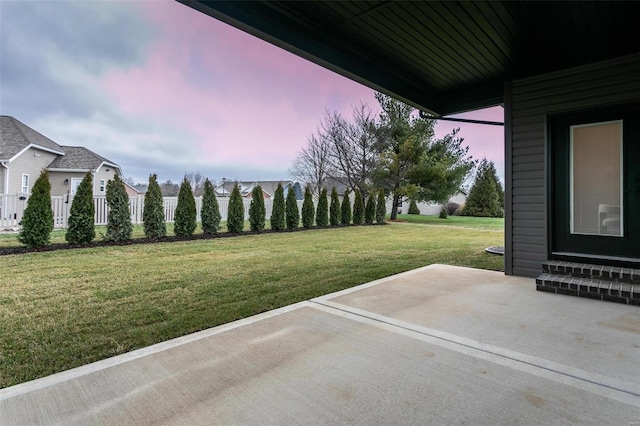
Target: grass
[
  {"x": 63, "y": 309},
  {"x": 460, "y": 221}
]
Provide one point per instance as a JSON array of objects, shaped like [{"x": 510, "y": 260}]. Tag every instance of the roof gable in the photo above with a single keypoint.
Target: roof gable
[
  {"x": 15, "y": 137},
  {"x": 80, "y": 158}
]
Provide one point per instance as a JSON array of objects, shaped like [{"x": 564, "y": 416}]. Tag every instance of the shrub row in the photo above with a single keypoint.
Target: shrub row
[{"x": 37, "y": 222}]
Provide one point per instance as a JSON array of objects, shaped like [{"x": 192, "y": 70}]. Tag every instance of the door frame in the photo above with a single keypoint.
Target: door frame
[{"x": 557, "y": 185}]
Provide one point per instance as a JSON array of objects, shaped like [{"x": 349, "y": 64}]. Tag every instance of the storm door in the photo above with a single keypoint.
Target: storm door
[{"x": 594, "y": 204}]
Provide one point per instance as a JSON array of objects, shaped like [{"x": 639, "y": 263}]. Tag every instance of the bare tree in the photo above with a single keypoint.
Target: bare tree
[
  {"x": 312, "y": 166},
  {"x": 354, "y": 147},
  {"x": 196, "y": 179},
  {"x": 169, "y": 189}
]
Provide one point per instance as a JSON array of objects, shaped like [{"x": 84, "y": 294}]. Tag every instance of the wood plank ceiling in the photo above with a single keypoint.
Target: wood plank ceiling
[{"x": 441, "y": 56}]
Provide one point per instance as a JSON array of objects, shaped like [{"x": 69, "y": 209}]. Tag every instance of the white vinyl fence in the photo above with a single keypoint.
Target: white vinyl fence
[{"x": 12, "y": 208}]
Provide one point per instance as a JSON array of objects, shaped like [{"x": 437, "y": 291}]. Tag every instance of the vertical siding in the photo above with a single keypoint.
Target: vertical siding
[
  {"x": 532, "y": 99},
  {"x": 31, "y": 162}
]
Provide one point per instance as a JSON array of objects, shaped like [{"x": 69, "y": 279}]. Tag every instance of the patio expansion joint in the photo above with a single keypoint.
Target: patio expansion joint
[{"x": 591, "y": 382}]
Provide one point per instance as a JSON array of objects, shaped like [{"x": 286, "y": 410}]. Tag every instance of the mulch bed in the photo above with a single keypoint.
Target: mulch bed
[{"x": 168, "y": 239}]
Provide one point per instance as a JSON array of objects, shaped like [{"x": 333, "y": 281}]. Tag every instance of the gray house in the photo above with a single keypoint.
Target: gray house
[
  {"x": 24, "y": 153},
  {"x": 567, "y": 74}
]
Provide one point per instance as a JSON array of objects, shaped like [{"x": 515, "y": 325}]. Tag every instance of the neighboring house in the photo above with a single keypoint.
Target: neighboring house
[
  {"x": 134, "y": 190},
  {"x": 24, "y": 153},
  {"x": 567, "y": 74},
  {"x": 268, "y": 188}
]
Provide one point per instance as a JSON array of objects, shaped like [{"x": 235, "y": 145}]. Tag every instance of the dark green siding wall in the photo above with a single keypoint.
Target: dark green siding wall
[{"x": 527, "y": 104}]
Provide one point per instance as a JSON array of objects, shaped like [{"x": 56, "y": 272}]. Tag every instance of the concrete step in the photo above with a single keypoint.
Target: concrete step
[
  {"x": 593, "y": 271},
  {"x": 592, "y": 288}
]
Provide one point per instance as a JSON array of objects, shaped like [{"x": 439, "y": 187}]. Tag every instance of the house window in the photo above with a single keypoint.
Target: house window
[
  {"x": 596, "y": 178},
  {"x": 102, "y": 185},
  {"x": 25, "y": 184}
]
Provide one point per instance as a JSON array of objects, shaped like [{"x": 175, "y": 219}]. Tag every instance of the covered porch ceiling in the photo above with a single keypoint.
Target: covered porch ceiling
[{"x": 443, "y": 57}]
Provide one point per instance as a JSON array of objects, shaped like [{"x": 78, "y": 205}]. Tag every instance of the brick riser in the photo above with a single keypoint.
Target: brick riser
[{"x": 612, "y": 284}]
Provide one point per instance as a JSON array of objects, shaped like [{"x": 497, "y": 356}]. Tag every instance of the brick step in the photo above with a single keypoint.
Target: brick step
[
  {"x": 592, "y": 288},
  {"x": 586, "y": 270}
]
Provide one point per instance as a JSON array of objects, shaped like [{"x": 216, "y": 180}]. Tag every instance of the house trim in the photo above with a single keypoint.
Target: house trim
[
  {"x": 70, "y": 170},
  {"x": 4, "y": 164},
  {"x": 41, "y": 148},
  {"x": 508, "y": 182}
]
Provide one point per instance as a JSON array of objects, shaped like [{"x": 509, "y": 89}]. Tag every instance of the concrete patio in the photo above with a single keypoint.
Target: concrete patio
[{"x": 436, "y": 345}]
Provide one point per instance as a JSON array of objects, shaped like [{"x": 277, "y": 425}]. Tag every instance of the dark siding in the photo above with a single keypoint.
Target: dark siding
[{"x": 532, "y": 99}]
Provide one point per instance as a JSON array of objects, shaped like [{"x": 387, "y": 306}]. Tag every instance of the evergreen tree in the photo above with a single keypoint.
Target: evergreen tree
[
  {"x": 119, "y": 227},
  {"x": 345, "y": 212},
  {"x": 210, "y": 210},
  {"x": 322, "y": 212},
  {"x": 413, "y": 207},
  {"x": 81, "y": 228},
  {"x": 308, "y": 210},
  {"x": 381, "y": 207},
  {"x": 235, "y": 213},
  {"x": 486, "y": 192},
  {"x": 277, "y": 212},
  {"x": 153, "y": 214},
  {"x": 292, "y": 213},
  {"x": 257, "y": 211},
  {"x": 370, "y": 209},
  {"x": 334, "y": 208},
  {"x": 37, "y": 220},
  {"x": 185, "y": 218},
  {"x": 443, "y": 213},
  {"x": 358, "y": 208}
]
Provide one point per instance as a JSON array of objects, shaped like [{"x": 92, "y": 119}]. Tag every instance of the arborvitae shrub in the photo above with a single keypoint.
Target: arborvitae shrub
[
  {"x": 277, "y": 212},
  {"x": 37, "y": 219},
  {"x": 370, "y": 209},
  {"x": 381, "y": 207},
  {"x": 322, "y": 212},
  {"x": 308, "y": 210},
  {"x": 358, "y": 208},
  {"x": 443, "y": 213},
  {"x": 81, "y": 228},
  {"x": 153, "y": 214},
  {"x": 185, "y": 218},
  {"x": 292, "y": 213},
  {"x": 413, "y": 207},
  {"x": 119, "y": 227},
  {"x": 334, "y": 208},
  {"x": 235, "y": 213},
  {"x": 257, "y": 211},
  {"x": 486, "y": 194},
  {"x": 345, "y": 211},
  {"x": 210, "y": 210}
]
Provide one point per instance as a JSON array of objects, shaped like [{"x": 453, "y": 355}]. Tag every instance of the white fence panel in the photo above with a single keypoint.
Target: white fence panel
[
  {"x": 11, "y": 210},
  {"x": 60, "y": 206}
]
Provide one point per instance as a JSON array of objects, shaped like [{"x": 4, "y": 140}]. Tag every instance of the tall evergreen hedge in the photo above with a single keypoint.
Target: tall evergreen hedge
[
  {"x": 308, "y": 210},
  {"x": 185, "y": 218},
  {"x": 291, "y": 210},
  {"x": 37, "y": 219},
  {"x": 370, "y": 209},
  {"x": 334, "y": 208},
  {"x": 381, "y": 207},
  {"x": 81, "y": 228},
  {"x": 486, "y": 196},
  {"x": 235, "y": 213},
  {"x": 358, "y": 208},
  {"x": 257, "y": 211},
  {"x": 322, "y": 212},
  {"x": 345, "y": 212},
  {"x": 153, "y": 214},
  {"x": 210, "y": 210},
  {"x": 277, "y": 212},
  {"x": 119, "y": 227}
]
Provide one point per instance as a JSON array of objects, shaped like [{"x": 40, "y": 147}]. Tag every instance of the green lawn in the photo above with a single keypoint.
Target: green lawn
[
  {"x": 464, "y": 221},
  {"x": 62, "y": 309}
]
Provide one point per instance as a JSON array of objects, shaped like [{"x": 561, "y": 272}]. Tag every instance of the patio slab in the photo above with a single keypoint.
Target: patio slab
[{"x": 435, "y": 345}]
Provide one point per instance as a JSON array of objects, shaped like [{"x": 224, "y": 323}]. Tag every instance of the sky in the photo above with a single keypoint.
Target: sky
[{"x": 158, "y": 87}]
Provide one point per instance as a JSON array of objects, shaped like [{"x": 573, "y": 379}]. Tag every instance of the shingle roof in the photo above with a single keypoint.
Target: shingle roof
[
  {"x": 15, "y": 136},
  {"x": 78, "y": 157}
]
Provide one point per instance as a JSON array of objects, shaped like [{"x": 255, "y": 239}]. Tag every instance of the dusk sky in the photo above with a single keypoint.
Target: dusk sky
[{"x": 158, "y": 87}]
